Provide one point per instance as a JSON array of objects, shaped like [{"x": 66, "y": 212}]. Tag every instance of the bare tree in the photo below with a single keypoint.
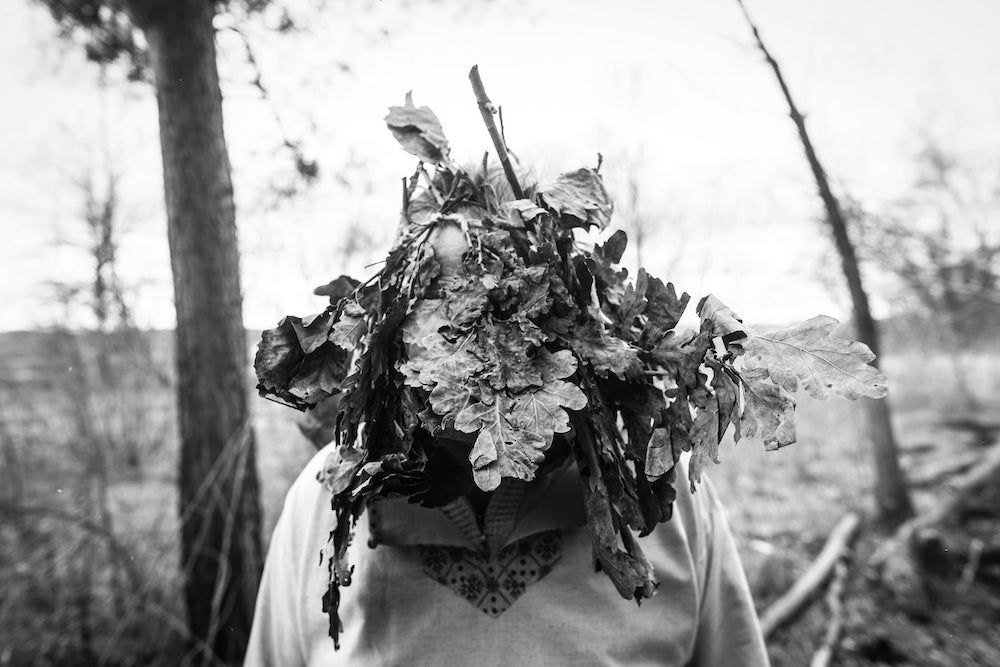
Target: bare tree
[
  {"x": 892, "y": 497},
  {"x": 941, "y": 244},
  {"x": 219, "y": 504}
]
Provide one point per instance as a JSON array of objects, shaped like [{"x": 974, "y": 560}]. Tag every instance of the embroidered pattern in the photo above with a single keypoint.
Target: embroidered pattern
[{"x": 493, "y": 584}]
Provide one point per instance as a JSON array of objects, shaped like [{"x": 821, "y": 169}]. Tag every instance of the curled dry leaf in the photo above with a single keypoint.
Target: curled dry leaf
[
  {"x": 418, "y": 131},
  {"x": 769, "y": 411},
  {"x": 578, "y": 199}
]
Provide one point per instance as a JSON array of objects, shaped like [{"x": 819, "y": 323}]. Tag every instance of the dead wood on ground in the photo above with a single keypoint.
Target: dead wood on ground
[
  {"x": 803, "y": 591},
  {"x": 900, "y": 563}
]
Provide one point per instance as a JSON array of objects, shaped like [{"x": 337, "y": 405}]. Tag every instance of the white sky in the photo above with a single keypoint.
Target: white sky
[{"x": 676, "y": 85}]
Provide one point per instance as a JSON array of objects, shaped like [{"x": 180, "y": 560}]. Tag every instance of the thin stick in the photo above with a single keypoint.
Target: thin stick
[
  {"x": 406, "y": 202},
  {"x": 486, "y": 108},
  {"x": 823, "y": 657},
  {"x": 791, "y": 603},
  {"x": 972, "y": 565},
  {"x": 430, "y": 185}
]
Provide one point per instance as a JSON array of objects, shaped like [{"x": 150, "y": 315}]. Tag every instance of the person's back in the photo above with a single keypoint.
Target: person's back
[{"x": 435, "y": 590}]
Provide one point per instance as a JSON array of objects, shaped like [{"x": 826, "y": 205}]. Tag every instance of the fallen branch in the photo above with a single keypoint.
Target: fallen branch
[
  {"x": 823, "y": 656},
  {"x": 896, "y": 564},
  {"x": 791, "y": 603}
]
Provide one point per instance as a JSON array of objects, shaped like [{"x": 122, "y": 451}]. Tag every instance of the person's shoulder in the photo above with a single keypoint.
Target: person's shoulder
[{"x": 307, "y": 490}]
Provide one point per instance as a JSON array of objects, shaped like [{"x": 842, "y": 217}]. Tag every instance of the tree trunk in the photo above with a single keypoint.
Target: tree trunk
[
  {"x": 892, "y": 499},
  {"x": 219, "y": 503}
]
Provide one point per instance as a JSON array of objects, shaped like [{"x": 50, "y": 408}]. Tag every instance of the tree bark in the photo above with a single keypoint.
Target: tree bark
[
  {"x": 892, "y": 498},
  {"x": 219, "y": 501}
]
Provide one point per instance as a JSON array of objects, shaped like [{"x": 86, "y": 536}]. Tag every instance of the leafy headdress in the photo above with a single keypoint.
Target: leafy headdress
[{"x": 528, "y": 334}]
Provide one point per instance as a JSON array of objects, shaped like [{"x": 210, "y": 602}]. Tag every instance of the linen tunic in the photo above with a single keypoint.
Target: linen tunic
[{"x": 422, "y": 596}]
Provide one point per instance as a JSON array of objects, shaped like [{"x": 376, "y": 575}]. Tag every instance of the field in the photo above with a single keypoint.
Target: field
[{"x": 89, "y": 553}]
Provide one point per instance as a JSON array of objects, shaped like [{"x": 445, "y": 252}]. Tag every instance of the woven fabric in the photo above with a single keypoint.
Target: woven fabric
[{"x": 493, "y": 583}]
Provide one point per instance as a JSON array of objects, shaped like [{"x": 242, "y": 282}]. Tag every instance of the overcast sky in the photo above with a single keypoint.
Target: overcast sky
[{"x": 674, "y": 90}]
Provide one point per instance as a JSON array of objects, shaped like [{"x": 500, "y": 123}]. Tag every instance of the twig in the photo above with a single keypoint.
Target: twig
[
  {"x": 430, "y": 185},
  {"x": 971, "y": 565},
  {"x": 792, "y": 602},
  {"x": 503, "y": 135},
  {"x": 406, "y": 202},
  {"x": 486, "y": 109},
  {"x": 303, "y": 166},
  {"x": 823, "y": 656}
]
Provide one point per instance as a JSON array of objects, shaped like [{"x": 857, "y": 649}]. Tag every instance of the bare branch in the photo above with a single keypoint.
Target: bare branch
[{"x": 487, "y": 109}]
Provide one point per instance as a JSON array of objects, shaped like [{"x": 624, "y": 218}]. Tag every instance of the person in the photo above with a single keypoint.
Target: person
[
  {"x": 421, "y": 590},
  {"x": 505, "y": 577}
]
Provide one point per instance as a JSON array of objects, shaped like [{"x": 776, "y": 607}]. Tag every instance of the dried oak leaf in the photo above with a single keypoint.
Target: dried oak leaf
[
  {"x": 555, "y": 365},
  {"x": 806, "y": 353},
  {"x": 768, "y": 411},
  {"x": 350, "y": 327},
  {"x": 466, "y": 300},
  {"x": 321, "y": 374},
  {"x": 422, "y": 325},
  {"x": 660, "y": 457},
  {"x": 278, "y": 355},
  {"x": 631, "y": 574},
  {"x": 663, "y": 308},
  {"x": 418, "y": 131},
  {"x": 314, "y": 330},
  {"x": 641, "y": 406},
  {"x": 704, "y": 439},
  {"x": 505, "y": 348},
  {"x": 610, "y": 280},
  {"x": 578, "y": 199},
  {"x": 443, "y": 359},
  {"x": 449, "y": 397},
  {"x": 543, "y": 410},
  {"x": 721, "y": 322},
  {"x": 515, "y": 431},
  {"x": 726, "y": 395},
  {"x": 339, "y": 468},
  {"x": 527, "y": 290},
  {"x": 669, "y": 440},
  {"x": 526, "y": 210},
  {"x": 633, "y": 304},
  {"x": 502, "y": 448},
  {"x": 606, "y": 354},
  {"x": 613, "y": 249},
  {"x": 681, "y": 355}
]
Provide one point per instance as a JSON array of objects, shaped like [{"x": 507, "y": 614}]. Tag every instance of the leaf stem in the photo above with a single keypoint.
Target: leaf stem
[{"x": 430, "y": 185}]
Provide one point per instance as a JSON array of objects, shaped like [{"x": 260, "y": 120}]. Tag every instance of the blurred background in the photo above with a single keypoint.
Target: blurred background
[{"x": 710, "y": 180}]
